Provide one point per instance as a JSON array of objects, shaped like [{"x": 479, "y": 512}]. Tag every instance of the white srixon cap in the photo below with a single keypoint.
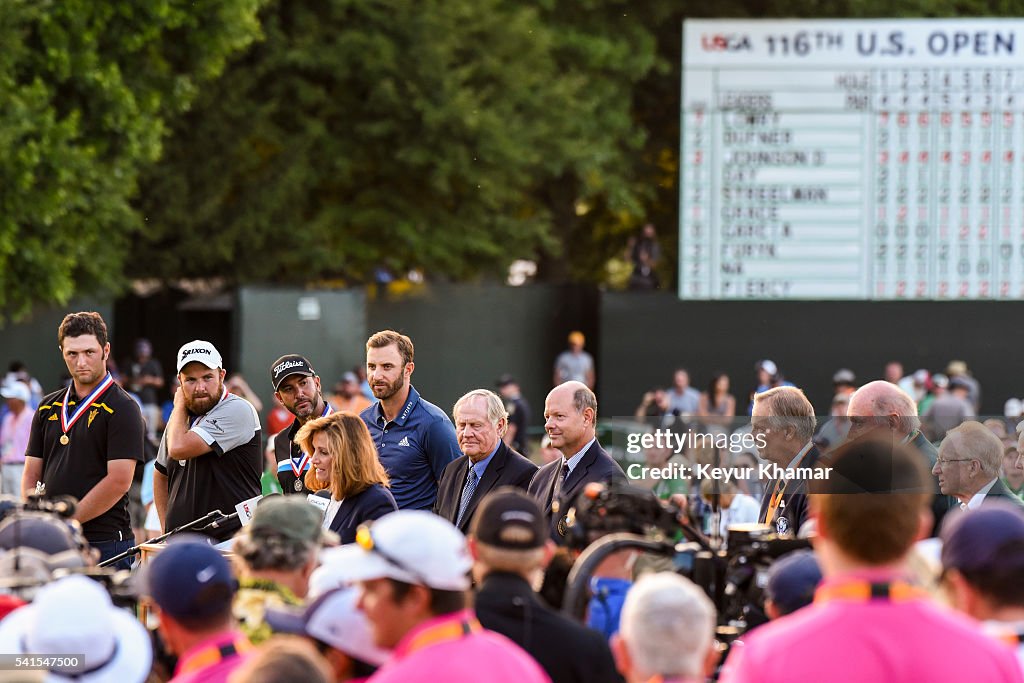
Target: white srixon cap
[{"x": 201, "y": 352}]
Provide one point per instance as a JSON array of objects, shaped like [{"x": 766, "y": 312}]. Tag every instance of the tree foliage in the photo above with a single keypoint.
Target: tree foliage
[
  {"x": 438, "y": 134},
  {"x": 85, "y": 90}
]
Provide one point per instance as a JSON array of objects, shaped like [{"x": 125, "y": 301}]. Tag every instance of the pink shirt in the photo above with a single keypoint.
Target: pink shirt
[
  {"x": 212, "y": 660},
  {"x": 14, "y": 434},
  {"x": 870, "y": 641},
  {"x": 455, "y": 648}
]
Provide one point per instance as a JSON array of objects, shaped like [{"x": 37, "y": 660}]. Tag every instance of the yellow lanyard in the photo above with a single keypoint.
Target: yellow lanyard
[
  {"x": 775, "y": 500},
  {"x": 452, "y": 630},
  {"x": 865, "y": 591}
]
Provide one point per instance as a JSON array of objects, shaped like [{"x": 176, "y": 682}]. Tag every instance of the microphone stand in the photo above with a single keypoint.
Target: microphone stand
[{"x": 210, "y": 518}]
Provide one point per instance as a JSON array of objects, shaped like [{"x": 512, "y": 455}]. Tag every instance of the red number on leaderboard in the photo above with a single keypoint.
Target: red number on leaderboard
[{"x": 943, "y": 289}]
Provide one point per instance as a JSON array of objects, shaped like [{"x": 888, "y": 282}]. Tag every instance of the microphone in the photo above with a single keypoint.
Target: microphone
[
  {"x": 216, "y": 524},
  {"x": 320, "y": 500}
]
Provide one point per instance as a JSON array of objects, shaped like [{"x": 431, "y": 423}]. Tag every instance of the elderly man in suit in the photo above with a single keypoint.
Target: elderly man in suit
[
  {"x": 783, "y": 424},
  {"x": 570, "y": 419},
  {"x": 968, "y": 466},
  {"x": 487, "y": 462}
]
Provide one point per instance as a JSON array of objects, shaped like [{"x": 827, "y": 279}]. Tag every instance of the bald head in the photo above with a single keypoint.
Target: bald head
[
  {"x": 887, "y": 404},
  {"x": 570, "y": 417}
]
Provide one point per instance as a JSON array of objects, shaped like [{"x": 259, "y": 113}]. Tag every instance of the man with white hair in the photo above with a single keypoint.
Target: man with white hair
[
  {"x": 667, "y": 631},
  {"x": 968, "y": 466},
  {"x": 879, "y": 406},
  {"x": 486, "y": 462}
]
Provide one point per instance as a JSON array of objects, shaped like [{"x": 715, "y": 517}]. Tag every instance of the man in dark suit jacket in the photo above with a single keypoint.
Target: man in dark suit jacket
[
  {"x": 782, "y": 424},
  {"x": 968, "y": 466},
  {"x": 570, "y": 418},
  {"x": 881, "y": 406},
  {"x": 486, "y": 463},
  {"x": 509, "y": 544}
]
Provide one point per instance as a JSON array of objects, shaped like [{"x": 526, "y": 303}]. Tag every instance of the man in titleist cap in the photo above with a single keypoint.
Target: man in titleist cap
[
  {"x": 297, "y": 387},
  {"x": 412, "y": 568},
  {"x": 210, "y": 456},
  {"x": 510, "y": 545}
]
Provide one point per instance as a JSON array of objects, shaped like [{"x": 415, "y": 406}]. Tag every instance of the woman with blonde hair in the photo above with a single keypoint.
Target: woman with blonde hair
[{"x": 344, "y": 461}]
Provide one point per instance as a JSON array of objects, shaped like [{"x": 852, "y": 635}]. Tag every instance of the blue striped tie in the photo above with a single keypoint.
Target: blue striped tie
[{"x": 467, "y": 493}]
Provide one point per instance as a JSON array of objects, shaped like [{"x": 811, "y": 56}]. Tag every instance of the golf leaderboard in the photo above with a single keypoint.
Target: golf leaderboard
[{"x": 852, "y": 159}]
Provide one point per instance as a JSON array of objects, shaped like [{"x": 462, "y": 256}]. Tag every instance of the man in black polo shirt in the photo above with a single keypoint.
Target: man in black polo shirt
[
  {"x": 210, "y": 456},
  {"x": 297, "y": 387},
  {"x": 86, "y": 439}
]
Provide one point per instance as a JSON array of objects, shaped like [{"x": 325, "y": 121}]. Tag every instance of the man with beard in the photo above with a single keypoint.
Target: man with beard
[
  {"x": 210, "y": 456},
  {"x": 415, "y": 439},
  {"x": 85, "y": 440},
  {"x": 297, "y": 387}
]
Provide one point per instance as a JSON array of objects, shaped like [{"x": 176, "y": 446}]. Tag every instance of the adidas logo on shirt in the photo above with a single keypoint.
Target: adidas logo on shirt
[{"x": 404, "y": 441}]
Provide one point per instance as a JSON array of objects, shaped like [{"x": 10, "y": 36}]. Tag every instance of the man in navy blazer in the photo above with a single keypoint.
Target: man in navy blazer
[
  {"x": 570, "y": 420},
  {"x": 486, "y": 464}
]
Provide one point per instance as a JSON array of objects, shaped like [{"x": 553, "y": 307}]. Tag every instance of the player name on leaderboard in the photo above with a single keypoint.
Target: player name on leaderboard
[{"x": 852, "y": 160}]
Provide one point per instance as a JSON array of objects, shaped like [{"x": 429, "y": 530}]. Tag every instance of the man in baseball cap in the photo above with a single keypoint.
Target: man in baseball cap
[
  {"x": 210, "y": 456},
  {"x": 412, "y": 568},
  {"x": 510, "y": 545},
  {"x": 983, "y": 562},
  {"x": 277, "y": 552},
  {"x": 297, "y": 387},
  {"x": 192, "y": 587}
]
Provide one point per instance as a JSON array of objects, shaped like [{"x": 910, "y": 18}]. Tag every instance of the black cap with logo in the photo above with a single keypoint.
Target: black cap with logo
[
  {"x": 292, "y": 364},
  {"x": 510, "y": 519}
]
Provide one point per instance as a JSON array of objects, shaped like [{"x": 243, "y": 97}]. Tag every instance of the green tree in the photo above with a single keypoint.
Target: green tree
[
  {"x": 449, "y": 135},
  {"x": 86, "y": 89}
]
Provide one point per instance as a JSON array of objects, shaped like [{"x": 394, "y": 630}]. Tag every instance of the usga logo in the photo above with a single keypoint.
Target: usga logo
[{"x": 720, "y": 42}]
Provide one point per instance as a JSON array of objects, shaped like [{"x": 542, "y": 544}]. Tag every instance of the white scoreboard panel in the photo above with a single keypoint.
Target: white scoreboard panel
[{"x": 852, "y": 159}]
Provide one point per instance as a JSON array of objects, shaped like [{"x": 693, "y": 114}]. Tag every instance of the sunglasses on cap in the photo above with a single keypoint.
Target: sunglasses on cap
[{"x": 364, "y": 539}]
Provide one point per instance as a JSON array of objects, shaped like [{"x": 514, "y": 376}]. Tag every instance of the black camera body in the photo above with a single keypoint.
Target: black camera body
[{"x": 606, "y": 519}]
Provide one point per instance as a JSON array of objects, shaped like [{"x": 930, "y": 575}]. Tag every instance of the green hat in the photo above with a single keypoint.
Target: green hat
[{"x": 290, "y": 517}]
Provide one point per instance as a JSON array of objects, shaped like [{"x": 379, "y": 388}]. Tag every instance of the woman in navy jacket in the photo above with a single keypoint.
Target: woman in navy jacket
[{"x": 344, "y": 461}]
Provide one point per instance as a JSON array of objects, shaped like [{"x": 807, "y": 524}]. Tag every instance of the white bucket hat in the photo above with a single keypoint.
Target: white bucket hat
[{"x": 75, "y": 616}]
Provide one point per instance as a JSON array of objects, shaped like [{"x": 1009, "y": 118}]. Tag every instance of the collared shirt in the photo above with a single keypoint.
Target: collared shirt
[
  {"x": 575, "y": 459},
  {"x": 795, "y": 462},
  {"x": 212, "y": 660},
  {"x": 481, "y": 466},
  {"x": 976, "y": 499},
  {"x": 414, "y": 448},
  {"x": 111, "y": 428},
  {"x": 454, "y": 647},
  {"x": 224, "y": 476},
  {"x": 870, "y": 641}
]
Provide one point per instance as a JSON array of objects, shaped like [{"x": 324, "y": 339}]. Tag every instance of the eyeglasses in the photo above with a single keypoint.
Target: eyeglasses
[
  {"x": 364, "y": 539},
  {"x": 941, "y": 462}
]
